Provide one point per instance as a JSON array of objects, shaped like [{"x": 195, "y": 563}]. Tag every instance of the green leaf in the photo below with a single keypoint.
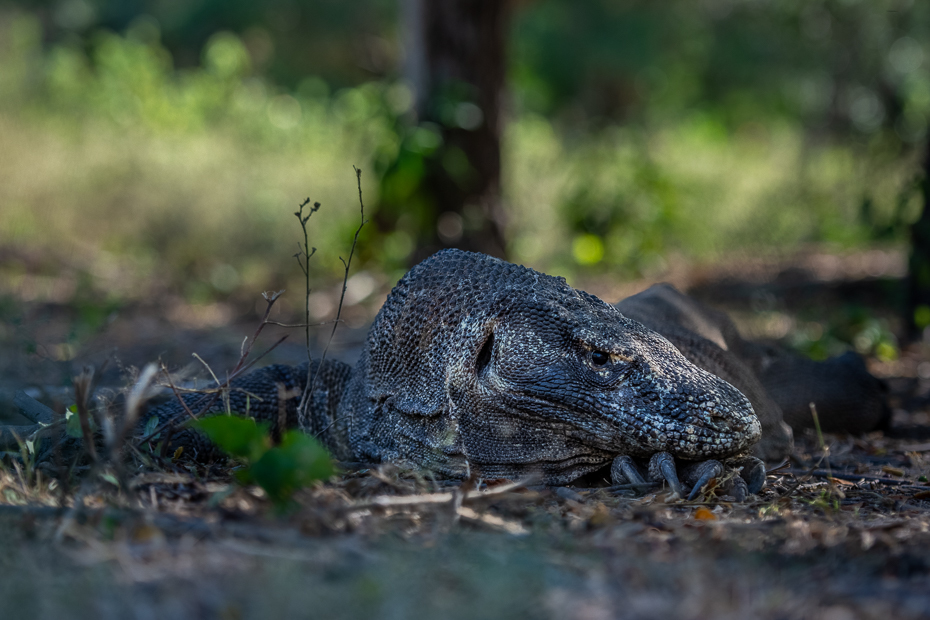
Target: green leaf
[
  {"x": 73, "y": 423},
  {"x": 150, "y": 427},
  {"x": 297, "y": 462},
  {"x": 240, "y": 437},
  {"x": 108, "y": 477},
  {"x": 280, "y": 470},
  {"x": 310, "y": 454}
]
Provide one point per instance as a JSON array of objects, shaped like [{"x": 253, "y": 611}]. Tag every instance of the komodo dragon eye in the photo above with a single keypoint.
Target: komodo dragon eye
[{"x": 599, "y": 358}]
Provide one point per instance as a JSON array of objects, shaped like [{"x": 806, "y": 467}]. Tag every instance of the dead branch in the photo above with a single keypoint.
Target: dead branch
[
  {"x": 302, "y": 413},
  {"x": 82, "y": 388},
  {"x": 423, "y": 499}
]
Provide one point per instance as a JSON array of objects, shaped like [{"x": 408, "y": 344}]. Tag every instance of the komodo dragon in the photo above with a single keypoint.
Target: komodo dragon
[{"x": 478, "y": 365}]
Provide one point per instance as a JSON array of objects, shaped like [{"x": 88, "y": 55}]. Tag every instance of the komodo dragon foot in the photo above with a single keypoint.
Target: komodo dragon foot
[{"x": 696, "y": 474}]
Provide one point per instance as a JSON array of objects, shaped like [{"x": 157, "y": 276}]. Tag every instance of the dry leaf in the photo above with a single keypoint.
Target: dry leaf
[{"x": 704, "y": 514}]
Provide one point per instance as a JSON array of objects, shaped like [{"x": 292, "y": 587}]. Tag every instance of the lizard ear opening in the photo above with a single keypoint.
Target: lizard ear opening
[{"x": 484, "y": 355}]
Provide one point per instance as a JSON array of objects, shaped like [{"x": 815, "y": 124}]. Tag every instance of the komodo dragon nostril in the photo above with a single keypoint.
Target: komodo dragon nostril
[{"x": 719, "y": 422}]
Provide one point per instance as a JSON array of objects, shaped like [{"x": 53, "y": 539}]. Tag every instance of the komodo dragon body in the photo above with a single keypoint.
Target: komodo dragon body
[{"x": 476, "y": 365}]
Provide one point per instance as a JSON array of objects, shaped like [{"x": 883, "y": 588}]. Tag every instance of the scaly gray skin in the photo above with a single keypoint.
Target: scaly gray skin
[{"x": 478, "y": 365}]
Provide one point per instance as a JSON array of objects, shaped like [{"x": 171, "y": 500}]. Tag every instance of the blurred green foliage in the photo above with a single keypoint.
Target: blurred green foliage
[
  {"x": 342, "y": 43},
  {"x": 744, "y": 124},
  {"x": 119, "y": 166},
  {"x": 165, "y": 144},
  {"x": 833, "y": 64},
  {"x": 852, "y": 325},
  {"x": 297, "y": 461}
]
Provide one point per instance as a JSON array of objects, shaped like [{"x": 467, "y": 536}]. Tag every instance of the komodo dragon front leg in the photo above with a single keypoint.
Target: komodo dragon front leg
[{"x": 662, "y": 467}]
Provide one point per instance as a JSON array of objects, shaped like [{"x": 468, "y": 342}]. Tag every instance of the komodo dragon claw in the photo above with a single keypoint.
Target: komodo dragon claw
[
  {"x": 662, "y": 467},
  {"x": 699, "y": 474},
  {"x": 750, "y": 481},
  {"x": 753, "y": 472},
  {"x": 624, "y": 471}
]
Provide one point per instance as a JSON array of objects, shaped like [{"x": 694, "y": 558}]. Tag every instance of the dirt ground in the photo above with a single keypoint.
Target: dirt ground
[{"x": 841, "y": 530}]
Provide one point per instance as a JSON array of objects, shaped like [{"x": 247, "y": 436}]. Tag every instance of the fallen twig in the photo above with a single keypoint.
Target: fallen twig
[
  {"x": 424, "y": 499},
  {"x": 823, "y": 473}
]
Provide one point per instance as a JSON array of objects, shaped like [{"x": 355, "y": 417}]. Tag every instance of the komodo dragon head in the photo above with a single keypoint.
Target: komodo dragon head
[{"x": 478, "y": 364}]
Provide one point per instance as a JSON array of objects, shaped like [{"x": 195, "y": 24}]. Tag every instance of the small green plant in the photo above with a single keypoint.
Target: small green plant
[
  {"x": 73, "y": 422},
  {"x": 295, "y": 462},
  {"x": 852, "y": 326}
]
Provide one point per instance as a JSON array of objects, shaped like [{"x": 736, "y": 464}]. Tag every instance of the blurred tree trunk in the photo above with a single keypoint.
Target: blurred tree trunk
[
  {"x": 918, "y": 306},
  {"x": 456, "y": 65}
]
